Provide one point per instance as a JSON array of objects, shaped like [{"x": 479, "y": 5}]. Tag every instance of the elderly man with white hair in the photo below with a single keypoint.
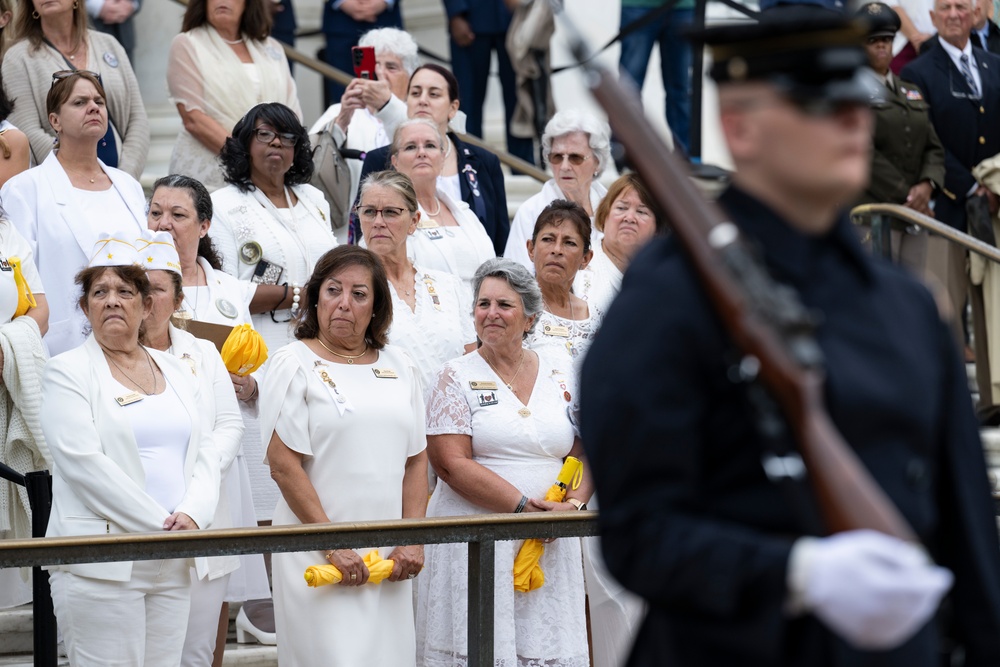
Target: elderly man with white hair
[
  {"x": 369, "y": 111},
  {"x": 578, "y": 147}
]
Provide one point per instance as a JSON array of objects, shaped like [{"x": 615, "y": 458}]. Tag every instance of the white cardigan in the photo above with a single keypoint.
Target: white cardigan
[
  {"x": 42, "y": 204},
  {"x": 98, "y": 484}
]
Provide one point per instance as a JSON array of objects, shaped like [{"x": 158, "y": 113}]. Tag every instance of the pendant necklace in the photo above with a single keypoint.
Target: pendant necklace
[
  {"x": 139, "y": 386},
  {"x": 350, "y": 359}
]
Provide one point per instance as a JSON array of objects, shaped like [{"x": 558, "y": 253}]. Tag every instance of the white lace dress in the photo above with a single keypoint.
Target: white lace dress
[
  {"x": 562, "y": 336},
  {"x": 542, "y": 628}
]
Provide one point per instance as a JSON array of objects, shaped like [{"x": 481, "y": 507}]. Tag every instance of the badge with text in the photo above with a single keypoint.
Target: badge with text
[
  {"x": 433, "y": 234},
  {"x": 385, "y": 373},
  {"x": 556, "y": 330},
  {"x": 427, "y": 223},
  {"x": 227, "y": 308},
  {"x": 5, "y": 265},
  {"x": 488, "y": 398},
  {"x": 129, "y": 398},
  {"x": 482, "y": 385}
]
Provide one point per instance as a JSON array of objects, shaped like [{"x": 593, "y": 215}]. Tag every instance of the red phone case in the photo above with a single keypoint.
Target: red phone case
[{"x": 364, "y": 61}]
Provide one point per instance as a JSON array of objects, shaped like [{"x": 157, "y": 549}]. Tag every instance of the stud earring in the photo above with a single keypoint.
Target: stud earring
[{"x": 34, "y": 15}]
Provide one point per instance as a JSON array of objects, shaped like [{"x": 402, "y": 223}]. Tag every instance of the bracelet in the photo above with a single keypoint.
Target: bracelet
[
  {"x": 296, "y": 297},
  {"x": 520, "y": 505},
  {"x": 256, "y": 387},
  {"x": 328, "y": 554},
  {"x": 284, "y": 296}
]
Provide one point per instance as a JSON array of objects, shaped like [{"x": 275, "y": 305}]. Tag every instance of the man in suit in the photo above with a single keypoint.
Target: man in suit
[
  {"x": 985, "y": 33},
  {"x": 477, "y": 29},
  {"x": 961, "y": 83},
  {"x": 907, "y": 163},
  {"x": 695, "y": 514},
  {"x": 344, "y": 21}
]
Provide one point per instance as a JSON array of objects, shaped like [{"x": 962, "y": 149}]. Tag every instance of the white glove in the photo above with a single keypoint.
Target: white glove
[{"x": 873, "y": 590}]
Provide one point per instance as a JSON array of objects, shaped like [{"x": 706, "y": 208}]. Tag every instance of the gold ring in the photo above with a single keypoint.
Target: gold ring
[{"x": 353, "y": 576}]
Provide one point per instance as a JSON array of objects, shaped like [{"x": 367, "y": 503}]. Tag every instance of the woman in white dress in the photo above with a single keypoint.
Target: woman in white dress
[
  {"x": 271, "y": 226},
  {"x": 578, "y": 147},
  {"x": 449, "y": 237},
  {"x": 344, "y": 415},
  {"x": 163, "y": 269},
  {"x": 182, "y": 206},
  {"x": 628, "y": 218},
  {"x": 63, "y": 205},
  {"x": 559, "y": 248},
  {"x": 22, "y": 359},
  {"x": 500, "y": 423},
  {"x": 221, "y": 64},
  {"x": 430, "y": 311}
]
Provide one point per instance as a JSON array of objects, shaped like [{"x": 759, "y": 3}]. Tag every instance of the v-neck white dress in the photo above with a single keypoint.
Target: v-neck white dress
[{"x": 545, "y": 626}]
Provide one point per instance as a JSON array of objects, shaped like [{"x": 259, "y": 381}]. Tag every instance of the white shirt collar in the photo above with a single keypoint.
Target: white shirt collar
[{"x": 955, "y": 53}]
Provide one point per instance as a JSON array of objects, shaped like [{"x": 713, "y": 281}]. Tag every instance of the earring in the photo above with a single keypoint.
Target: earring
[
  {"x": 76, "y": 5},
  {"x": 34, "y": 15}
]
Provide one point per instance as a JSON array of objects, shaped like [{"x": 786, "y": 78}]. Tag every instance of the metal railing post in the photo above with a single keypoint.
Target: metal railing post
[
  {"x": 481, "y": 571},
  {"x": 39, "y": 487}
]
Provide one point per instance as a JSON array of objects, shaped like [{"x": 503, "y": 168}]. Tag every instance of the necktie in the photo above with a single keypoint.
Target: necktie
[{"x": 967, "y": 73}]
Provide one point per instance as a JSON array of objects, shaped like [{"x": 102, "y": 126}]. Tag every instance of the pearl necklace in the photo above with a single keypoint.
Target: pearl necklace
[{"x": 438, "y": 211}]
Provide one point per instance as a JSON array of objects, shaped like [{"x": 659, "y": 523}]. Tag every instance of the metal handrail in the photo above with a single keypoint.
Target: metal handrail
[
  {"x": 344, "y": 78},
  {"x": 480, "y": 532},
  {"x": 930, "y": 224}
]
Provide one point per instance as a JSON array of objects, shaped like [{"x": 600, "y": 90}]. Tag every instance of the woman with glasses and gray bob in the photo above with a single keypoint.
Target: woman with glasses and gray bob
[
  {"x": 578, "y": 146},
  {"x": 270, "y": 226},
  {"x": 64, "y": 204}
]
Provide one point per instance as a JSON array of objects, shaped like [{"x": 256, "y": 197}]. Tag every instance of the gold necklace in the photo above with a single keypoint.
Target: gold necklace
[
  {"x": 149, "y": 360},
  {"x": 349, "y": 358},
  {"x": 519, "y": 364}
]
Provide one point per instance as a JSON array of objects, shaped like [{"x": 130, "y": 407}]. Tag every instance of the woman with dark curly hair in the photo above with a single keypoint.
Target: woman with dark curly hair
[
  {"x": 345, "y": 416},
  {"x": 271, "y": 225}
]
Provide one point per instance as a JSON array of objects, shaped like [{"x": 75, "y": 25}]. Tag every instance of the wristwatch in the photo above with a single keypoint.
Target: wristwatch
[{"x": 577, "y": 503}]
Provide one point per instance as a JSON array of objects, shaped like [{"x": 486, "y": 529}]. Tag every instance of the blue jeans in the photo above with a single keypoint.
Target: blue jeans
[{"x": 675, "y": 62}]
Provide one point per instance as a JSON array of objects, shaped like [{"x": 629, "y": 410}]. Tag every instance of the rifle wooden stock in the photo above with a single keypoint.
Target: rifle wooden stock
[{"x": 847, "y": 495}]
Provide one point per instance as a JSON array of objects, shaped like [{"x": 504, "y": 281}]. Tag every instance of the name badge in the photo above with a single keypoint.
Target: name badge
[
  {"x": 427, "y": 223},
  {"x": 488, "y": 398},
  {"x": 5, "y": 265},
  {"x": 129, "y": 398},
  {"x": 482, "y": 385},
  {"x": 556, "y": 330},
  {"x": 386, "y": 373},
  {"x": 433, "y": 234}
]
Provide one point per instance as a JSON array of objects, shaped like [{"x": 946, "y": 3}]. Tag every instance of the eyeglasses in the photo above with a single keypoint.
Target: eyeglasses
[
  {"x": 267, "y": 136},
  {"x": 66, "y": 73},
  {"x": 389, "y": 213},
  {"x": 574, "y": 158}
]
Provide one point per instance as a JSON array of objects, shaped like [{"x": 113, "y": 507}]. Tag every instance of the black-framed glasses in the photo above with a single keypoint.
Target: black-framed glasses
[
  {"x": 66, "y": 73},
  {"x": 265, "y": 136},
  {"x": 574, "y": 158}
]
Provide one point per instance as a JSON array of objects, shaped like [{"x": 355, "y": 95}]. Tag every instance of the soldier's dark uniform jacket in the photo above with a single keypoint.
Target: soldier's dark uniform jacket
[{"x": 688, "y": 518}]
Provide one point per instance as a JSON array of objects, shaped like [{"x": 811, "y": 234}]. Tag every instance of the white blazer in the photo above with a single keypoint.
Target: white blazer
[
  {"x": 218, "y": 399},
  {"x": 42, "y": 204},
  {"x": 98, "y": 484}
]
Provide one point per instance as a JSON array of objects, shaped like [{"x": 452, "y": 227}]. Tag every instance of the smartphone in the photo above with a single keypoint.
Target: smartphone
[{"x": 364, "y": 62}]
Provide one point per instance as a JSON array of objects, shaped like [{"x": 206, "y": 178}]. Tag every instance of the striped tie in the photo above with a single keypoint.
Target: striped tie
[{"x": 967, "y": 73}]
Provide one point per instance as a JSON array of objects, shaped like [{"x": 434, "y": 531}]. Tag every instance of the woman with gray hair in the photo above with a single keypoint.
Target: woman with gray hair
[
  {"x": 500, "y": 422},
  {"x": 578, "y": 146},
  {"x": 370, "y": 109}
]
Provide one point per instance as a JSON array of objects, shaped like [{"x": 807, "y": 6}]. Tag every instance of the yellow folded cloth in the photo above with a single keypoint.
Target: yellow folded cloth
[
  {"x": 25, "y": 299},
  {"x": 528, "y": 573},
  {"x": 379, "y": 570},
  {"x": 244, "y": 350}
]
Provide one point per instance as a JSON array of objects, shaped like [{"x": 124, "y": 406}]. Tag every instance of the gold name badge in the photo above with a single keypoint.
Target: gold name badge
[
  {"x": 385, "y": 373},
  {"x": 555, "y": 330},
  {"x": 129, "y": 398},
  {"x": 482, "y": 385},
  {"x": 427, "y": 223}
]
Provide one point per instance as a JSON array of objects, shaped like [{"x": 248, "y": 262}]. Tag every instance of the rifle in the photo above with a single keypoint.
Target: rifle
[{"x": 765, "y": 319}]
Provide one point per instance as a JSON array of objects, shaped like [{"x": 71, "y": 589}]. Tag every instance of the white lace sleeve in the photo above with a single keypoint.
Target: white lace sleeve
[{"x": 447, "y": 410}]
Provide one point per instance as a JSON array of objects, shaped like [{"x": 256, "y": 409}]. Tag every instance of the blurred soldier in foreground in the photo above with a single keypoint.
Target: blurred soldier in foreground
[{"x": 735, "y": 569}]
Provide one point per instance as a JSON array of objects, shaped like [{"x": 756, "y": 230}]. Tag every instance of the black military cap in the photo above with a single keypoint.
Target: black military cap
[
  {"x": 882, "y": 20},
  {"x": 809, "y": 52}
]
